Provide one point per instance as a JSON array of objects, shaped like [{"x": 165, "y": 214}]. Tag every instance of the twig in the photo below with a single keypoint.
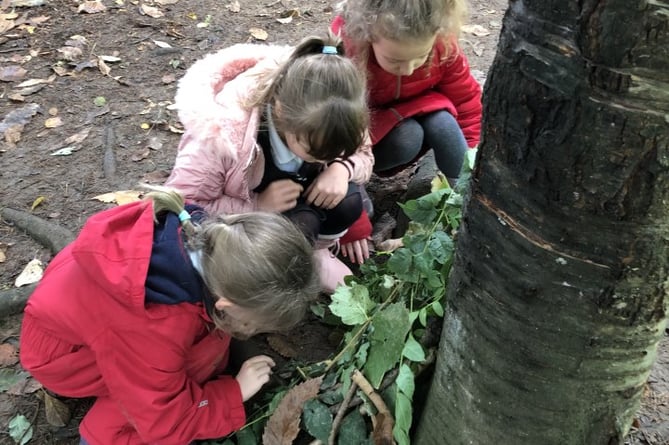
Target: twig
[
  {"x": 369, "y": 391},
  {"x": 343, "y": 407}
]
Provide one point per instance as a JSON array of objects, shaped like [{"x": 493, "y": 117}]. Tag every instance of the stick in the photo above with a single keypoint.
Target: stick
[
  {"x": 343, "y": 407},
  {"x": 12, "y": 301},
  {"x": 367, "y": 388}
]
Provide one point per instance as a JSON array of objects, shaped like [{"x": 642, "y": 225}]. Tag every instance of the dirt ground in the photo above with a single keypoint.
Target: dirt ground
[{"x": 92, "y": 87}]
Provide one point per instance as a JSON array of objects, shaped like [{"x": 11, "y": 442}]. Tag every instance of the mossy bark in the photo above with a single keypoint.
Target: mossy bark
[{"x": 558, "y": 294}]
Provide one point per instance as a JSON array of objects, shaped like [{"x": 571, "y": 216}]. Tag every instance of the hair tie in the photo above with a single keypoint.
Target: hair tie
[
  {"x": 184, "y": 215},
  {"x": 329, "y": 49}
]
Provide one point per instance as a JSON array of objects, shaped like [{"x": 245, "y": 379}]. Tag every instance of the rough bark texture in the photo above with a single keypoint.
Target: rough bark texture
[{"x": 558, "y": 296}]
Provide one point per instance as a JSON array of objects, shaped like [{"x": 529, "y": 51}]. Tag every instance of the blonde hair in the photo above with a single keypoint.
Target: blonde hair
[
  {"x": 322, "y": 98},
  {"x": 401, "y": 20},
  {"x": 259, "y": 261}
]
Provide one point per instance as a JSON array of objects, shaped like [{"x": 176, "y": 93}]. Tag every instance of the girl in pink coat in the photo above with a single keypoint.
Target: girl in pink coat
[
  {"x": 421, "y": 92},
  {"x": 140, "y": 309},
  {"x": 284, "y": 130}
]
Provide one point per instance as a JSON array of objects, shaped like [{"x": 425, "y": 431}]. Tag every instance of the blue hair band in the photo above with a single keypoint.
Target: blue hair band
[
  {"x": 184, "y": 216},
  {"x": 329, "y": 49}
]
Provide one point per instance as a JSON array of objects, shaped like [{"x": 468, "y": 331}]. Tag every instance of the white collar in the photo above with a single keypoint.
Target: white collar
[{"x": 285, "y": 159}]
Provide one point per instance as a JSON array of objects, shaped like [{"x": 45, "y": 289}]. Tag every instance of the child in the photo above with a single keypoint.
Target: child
[
  {"x": 281, "y": 130},
  {"x": 127, "y": 313},
  {"x": 421, "y": 92}
]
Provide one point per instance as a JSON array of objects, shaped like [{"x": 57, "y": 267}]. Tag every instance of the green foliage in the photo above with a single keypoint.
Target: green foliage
[
  {"x": 20, "y": 429},
  {"x": 386, "y": 310}
]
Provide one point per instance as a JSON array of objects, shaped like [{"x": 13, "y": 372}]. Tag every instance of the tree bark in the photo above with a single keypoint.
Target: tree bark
[{"x": 558, "y": 295}]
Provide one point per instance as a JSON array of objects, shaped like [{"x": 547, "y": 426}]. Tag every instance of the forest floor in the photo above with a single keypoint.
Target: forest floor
[{"x": 85, "y": 95}]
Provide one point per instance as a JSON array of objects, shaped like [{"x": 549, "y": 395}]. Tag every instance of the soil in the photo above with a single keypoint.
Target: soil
[{"x": 111, "y": 76}]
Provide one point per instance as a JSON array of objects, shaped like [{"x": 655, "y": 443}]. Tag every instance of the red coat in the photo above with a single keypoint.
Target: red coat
[
  {"x": 88, "y": 331},
  {"x": 447, "y": 85}
]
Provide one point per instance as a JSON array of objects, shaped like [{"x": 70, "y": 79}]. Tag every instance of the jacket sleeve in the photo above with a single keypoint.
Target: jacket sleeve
[
  {"x": 361, "y": 163},
  {"x": 200, "y": 174},
  {"x": 151, "y": 387},
  {"x": 458, "y": 84}
]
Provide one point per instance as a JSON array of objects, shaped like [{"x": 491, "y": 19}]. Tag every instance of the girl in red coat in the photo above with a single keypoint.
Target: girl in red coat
[
  {"x": 128, "y": 313},
  {"x": 421, "y": 92}
]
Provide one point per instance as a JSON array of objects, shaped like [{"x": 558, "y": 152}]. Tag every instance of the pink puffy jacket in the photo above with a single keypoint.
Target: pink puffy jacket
[{"x": 219, "y": 162}]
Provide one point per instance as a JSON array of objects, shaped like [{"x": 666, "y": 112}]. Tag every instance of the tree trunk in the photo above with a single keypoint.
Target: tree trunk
[{"x": 558, "y": 295}]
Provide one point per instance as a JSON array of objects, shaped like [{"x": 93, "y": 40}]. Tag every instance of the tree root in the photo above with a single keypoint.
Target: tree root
[{"x": 52, "y": 236}]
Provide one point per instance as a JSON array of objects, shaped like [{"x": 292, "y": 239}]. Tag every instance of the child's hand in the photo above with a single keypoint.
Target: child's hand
[
  {"x": 279, "y": 196},
  {"x": 329, "y": 188},
  {"x": 254, "y": 373},
  {"x": 356, "y": 251}
]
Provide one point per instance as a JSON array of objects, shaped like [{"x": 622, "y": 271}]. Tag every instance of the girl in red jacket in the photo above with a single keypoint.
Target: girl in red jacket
[
  {"x": 127, "y": 313},
  {"x": 421, "y": 92}
]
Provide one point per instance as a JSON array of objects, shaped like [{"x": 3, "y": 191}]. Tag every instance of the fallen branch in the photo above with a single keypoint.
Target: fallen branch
[
  {"x": 383, "y": 421},
  {"x": 343, "y": 407},
  {"x": 12, "y": 301},
  {"x": 52, "y": 236}
]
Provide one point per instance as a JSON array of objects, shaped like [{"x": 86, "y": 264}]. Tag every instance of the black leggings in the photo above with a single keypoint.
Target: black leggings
[
  {"x": 408, "y": 140},
  {"x": 314, "y": 221}
]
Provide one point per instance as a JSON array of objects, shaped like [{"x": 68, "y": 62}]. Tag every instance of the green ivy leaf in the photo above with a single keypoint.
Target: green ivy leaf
[
  {"x": 317, "y": 419},
  {"x": 20, "y": 429},
  {"x": 390, "y": 327},
  {"x": 403, "y": 414},
  {"x": 405, "y": 381},
  {"x": 352, "y": 304},
  {"x": 353, "y": 430},
  {"x": 441, "y": 246},
  {"x": 413, "y": 350}
]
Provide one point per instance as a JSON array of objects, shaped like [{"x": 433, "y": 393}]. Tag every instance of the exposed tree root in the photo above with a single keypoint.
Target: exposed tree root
[{"x": 52, "y": 236}]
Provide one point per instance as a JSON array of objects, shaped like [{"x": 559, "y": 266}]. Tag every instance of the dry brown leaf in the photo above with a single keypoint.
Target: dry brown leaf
[
  {"x": 282, "y": 346},
  {"x": 258, "y": 33},
  {"x": 389, "y": 245},
  {"x": 16, "y": 97},
  {"x": 34, "y": 82},
  {"x": 103, "y": 67},
  {"x": 13, "y": 134},
  {"x": 92, "y": 7},
  {"x": 57, "y": 413},
  {"x": 53, "y": 122},
  {"x": 156, "y": 177},
  {"x": 70, "y": 53},
  {"x": 151, "y": 11},
  {"x": 8, "y": 355},
  {"x": 166, "y": 2},
  {"x": 3, "y": 256},
  {"x": 39, "y": 200},
  {"x": 12, "y": 73},
  {"x": 284, "y": 424},
  {"x": 78, "y": 137},
  {"x": 139, "y": 156}
]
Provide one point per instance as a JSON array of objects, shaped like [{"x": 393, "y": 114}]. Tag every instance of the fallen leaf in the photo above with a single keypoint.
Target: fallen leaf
[
  {"x": 156, "y": 177},
  {"x": 70, "y": 53},
  {"x": 13, "y": 134},
  {"x": 92, "y": 7},
  {"x": 33, "y": 82},
  {"x": 258, "y": 33},
  {"x": 140, "y": 156},
  {"x": 39, "y": 200},
  {"x": 57, "y": 413},
  {"x": 155, "y": 143},
  {"x": 151, "y": 11},
  {"x": 168, "y": 78},
  {"x": 65, "y": 151},
  {"x": 8, "y": 355},
  {"x": 103, "y": 67},
  {"x": 282, "y": 346},
  {"x": 284, "y": 424},
  {"x": 161, "y": 44},
  {"x": 12, "y": 73},
  {"x": 16, "y": 97},
  {"x": 77, "y": 41},
  {"x": 53, "y": 111},
  {"x": 476, "y": 30},
  {"x": 3, "y": 256},
  {"x": 32, "y": 273},
  {"x": 110, "y": 59},
  {"x": 53, "y": 122},
  {"x": 120, "y": 197},
  {"x": 285, "y": 20},
  {"x": 78, "y": 137},
  {"x": 166, "y": 2}
]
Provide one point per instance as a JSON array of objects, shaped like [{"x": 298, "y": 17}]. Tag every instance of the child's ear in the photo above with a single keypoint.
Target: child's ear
[{"x": 223, "y": 303}]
